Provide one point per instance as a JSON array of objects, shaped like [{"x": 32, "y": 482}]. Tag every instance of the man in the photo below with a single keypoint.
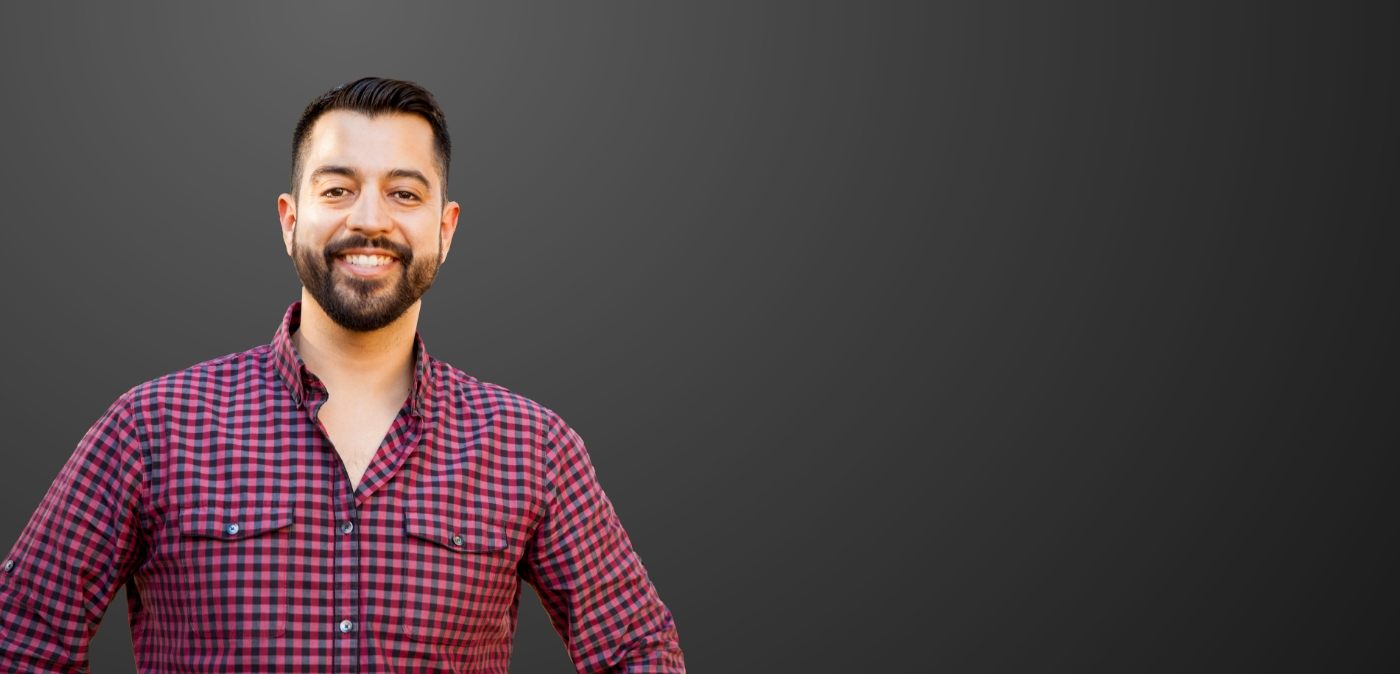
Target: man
[{"x": 337, "y": 500}]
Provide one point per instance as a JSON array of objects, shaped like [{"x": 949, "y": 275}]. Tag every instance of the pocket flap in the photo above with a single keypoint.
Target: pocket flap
[
  {"x": 233, "y": 524},
  {"x": 455, "y": 533}
]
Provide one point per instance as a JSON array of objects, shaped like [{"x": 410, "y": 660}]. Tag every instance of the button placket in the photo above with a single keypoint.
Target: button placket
[{"x": 345, "y": 519}]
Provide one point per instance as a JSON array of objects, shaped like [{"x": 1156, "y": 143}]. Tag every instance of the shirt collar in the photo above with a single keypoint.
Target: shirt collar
[{"x": 293, "y": 373}]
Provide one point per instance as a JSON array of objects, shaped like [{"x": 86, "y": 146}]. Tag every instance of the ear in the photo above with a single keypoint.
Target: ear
[
  {"x": 448, "y": 227},
  {"x": 287, "y": 215}
]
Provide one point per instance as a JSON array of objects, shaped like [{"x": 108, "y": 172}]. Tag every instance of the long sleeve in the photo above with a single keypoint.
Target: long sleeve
[
  {"x": 591, "y": 582},
  {"x": 78, "y": 548}
]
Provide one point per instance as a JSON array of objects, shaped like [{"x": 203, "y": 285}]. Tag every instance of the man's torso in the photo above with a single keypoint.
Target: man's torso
[{"x": 369, "y": 537}]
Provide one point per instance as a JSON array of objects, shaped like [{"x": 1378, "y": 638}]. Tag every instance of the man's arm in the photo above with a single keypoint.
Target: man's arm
[
  {"x": 591, "y": 582},
  {"x": 79, "y": 546}
]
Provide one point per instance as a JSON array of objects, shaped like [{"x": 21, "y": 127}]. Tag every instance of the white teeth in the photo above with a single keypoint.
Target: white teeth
[{"x": 368, "y": 260}]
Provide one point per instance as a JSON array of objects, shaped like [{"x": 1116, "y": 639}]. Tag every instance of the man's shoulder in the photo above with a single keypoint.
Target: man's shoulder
[
  {"x": 226, "y": 374},
  {"x": 471, "y": 395}
]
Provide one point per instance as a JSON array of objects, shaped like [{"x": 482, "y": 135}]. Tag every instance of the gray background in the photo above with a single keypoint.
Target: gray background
[{"x": 970, "y": 337}]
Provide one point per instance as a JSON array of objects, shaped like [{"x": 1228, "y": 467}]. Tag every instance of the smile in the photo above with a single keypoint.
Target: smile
[
  {"x": 366, "y": 265},
  {"x": 368, "y": 260}
]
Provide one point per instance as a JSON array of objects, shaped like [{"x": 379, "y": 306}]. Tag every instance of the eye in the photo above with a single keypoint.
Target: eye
[
  {"x": 403, "y": 194},
  {"x": 335, "y": 192}
]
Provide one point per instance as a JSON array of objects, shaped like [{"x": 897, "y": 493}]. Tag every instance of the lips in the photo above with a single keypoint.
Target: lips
[
  {"x": 365, "y": 258},
  {"x": 362, "y": 260},
  {"x": 366, "y": 265}
]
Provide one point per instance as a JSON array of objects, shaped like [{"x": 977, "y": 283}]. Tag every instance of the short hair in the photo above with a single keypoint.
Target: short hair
[{"x": 374, "y": 96}]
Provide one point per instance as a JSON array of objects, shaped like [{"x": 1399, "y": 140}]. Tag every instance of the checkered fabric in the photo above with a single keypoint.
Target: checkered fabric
[{"x": 214, "y": 496}]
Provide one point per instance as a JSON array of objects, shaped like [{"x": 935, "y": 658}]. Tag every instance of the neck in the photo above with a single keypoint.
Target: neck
[{"x": 376, "y": 363}]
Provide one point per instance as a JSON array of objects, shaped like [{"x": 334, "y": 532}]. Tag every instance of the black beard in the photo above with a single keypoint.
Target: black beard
[{"x": 356, "y": 306}]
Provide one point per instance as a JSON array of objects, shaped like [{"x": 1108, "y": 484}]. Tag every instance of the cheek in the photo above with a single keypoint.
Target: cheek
[
  {"x": 310, "y": 231},
  {"x": 424, "y": 241}
]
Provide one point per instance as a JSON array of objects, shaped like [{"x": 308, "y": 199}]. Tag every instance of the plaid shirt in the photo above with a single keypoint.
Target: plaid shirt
[{"x": 215, "y": 497}]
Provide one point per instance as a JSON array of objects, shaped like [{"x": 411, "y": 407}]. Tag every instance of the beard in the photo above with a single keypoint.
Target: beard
[{"x": 361, "y": 304}]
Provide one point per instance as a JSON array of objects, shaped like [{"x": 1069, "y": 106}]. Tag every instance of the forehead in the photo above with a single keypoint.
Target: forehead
[{"x": 371, "y": 145}]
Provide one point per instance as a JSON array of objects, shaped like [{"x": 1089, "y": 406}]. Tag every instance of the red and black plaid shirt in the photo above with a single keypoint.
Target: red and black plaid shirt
[{"x": 215, "y": 497}]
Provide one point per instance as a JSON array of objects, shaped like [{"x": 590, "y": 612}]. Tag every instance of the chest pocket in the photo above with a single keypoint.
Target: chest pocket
[
  {"x": 459, "y": 578},
  {"x": 233, "y": 560}
]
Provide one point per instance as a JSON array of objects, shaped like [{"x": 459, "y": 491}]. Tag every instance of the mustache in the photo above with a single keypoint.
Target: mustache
[{"x": 398, "y": 250}]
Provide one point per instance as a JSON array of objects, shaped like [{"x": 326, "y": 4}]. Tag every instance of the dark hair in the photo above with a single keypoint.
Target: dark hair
[{"x": 376, "y": 96}]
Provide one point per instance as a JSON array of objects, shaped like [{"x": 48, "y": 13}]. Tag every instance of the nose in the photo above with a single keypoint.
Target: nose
[{"x": 369, "y": 215}]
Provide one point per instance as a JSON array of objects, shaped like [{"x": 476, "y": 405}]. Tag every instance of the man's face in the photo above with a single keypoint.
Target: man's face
[{"x": 368, "y": 228}]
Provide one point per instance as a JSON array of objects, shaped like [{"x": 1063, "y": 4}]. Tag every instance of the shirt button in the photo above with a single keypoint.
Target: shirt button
[
  {"x": 9, "y": 564},
  {"x": 231, "y": 529},
  {"x": 347, "y": 526},
  {"x": 457, "y": 540},
  {"x": 346, "y": 626}
]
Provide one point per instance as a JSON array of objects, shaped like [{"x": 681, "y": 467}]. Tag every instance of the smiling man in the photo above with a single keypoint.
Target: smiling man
[{"x": 337, "y": 500}]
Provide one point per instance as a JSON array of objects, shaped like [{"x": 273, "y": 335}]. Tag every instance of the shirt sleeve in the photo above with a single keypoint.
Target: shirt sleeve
[
  {"x": 589, "y": 579},
  {"x": 79, "y": 546}
]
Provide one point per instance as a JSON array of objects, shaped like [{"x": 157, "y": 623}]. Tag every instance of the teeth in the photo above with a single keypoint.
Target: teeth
[{"x": 368, "y": 260}]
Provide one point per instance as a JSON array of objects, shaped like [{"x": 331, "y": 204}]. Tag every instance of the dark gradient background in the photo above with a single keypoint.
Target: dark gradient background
[{"x": 975, "y": 337}]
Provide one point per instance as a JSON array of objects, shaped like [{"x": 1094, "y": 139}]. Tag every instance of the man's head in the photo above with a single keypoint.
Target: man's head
[
  {"x": 374, "y": 96},
  {"x": 367, "y": 222}
]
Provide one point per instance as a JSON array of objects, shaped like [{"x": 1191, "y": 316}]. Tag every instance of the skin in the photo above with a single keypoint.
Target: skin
[{"x": 367, "y": 373}]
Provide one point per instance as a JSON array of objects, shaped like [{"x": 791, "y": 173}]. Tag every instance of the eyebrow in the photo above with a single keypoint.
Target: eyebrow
[
  {"x": 323, "y": 171},
  {"x": 329, "y": 170},
  {"x": 411, "y": 175}
]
